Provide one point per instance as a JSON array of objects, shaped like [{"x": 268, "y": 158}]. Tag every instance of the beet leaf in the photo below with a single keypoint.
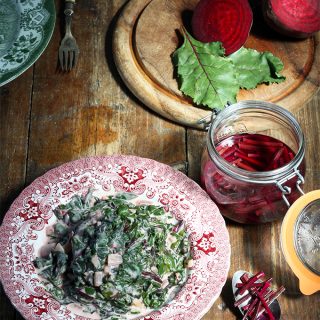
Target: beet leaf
[
  {"x": 211, "y": 79},
  {"x": 253, "y": 67},
  {"x": 204, "y": 74}
]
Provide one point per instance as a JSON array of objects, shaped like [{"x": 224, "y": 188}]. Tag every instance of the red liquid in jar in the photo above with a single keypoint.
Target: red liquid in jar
[{"x": 242, "y": 201}]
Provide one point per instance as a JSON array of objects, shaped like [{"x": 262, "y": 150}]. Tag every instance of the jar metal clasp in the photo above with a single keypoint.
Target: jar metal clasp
[
  {"x": 287, "y": 190},
  {"x": 207, "y": 120}
]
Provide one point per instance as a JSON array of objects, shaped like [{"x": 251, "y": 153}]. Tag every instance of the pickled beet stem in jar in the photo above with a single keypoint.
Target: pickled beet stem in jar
[
  {"x": 253, "y": 161},
  {"x": 255, "y": 152}
]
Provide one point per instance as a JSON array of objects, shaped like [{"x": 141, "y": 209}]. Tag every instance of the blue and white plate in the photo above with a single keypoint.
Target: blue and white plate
[{"x": 26, "y": 27}]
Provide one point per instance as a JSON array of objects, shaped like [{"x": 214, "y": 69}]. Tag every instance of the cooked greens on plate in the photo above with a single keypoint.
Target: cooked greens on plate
[{"x": 114, "y": 257}]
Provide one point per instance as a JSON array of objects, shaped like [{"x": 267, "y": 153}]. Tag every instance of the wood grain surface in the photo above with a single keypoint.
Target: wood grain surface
[
  {"x": 48, "y": 117},
  {"x": 149, "y": 92},
  {"x": 148, "y": 32}
]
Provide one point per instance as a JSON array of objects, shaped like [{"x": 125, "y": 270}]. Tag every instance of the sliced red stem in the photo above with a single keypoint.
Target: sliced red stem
[
  {"x": 259, "y": 295},
  {"x": 251, "y": 308},
  {"x": 251, "y": 281},
  {"x": 265, "y": 305},
  {"x": 242, "y": 299},
  {"x": 250, "y": 160},
  {"x": 262, "y": 143},
  {"x": 228, "y": 151},
  {"x": 245, "y": 166}
]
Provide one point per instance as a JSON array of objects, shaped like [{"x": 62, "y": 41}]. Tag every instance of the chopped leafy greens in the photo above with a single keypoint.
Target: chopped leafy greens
[
  {"x": 113, "y": 257},
  {"x": 211, "y": 79}
]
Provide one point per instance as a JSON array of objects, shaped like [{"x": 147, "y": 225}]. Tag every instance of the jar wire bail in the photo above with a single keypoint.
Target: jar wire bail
[
  {"x": 287, "y": 190},
  {"x": 207, "y": 120}
]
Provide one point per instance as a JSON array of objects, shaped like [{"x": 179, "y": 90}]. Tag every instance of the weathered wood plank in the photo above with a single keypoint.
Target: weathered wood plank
[
  {"x": 86, "y": 112},
  {"x": 89, "y": 111},
  {"x": 14, "y": 128}
]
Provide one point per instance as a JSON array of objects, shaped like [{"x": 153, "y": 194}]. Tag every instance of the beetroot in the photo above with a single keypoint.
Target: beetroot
[
  {"x": 258, "y": 298},
  {"x": 247, "y": 202},
  {"x": 295, "y": 18},
  {"x": 227, "y": 21},
  {"x": 255, "y": 152}
]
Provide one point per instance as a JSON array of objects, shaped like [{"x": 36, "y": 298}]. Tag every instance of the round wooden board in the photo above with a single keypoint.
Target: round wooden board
[{"x": 147, "y": 33}]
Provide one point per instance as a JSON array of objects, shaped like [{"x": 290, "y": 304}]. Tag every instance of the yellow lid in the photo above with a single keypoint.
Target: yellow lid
[{"x": 303, "y": 212}]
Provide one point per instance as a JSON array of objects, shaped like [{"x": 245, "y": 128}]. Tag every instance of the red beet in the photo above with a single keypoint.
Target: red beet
[
  {"x": 247, "y": 202},
  {"x": 295, "y": 18},
  {"x": 255, "y": 152},
  {"x": 227, "y": 21},
  {"x": 258, "y": 297}
]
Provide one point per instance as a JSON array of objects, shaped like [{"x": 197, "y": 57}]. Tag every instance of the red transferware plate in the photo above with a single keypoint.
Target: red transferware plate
[{"x": 23, "y": 232}]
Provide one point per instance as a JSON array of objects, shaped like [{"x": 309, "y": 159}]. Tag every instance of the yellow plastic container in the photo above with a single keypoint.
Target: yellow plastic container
[{"x": 300, "y": 241}]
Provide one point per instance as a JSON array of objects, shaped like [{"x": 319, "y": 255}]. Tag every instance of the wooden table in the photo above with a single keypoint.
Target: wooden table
[{"x": 48, "y": 117}]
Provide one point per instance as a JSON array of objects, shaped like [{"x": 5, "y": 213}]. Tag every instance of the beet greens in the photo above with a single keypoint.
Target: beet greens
[
  {"x": 114, "y": 257},
  {"x": 211, "y": 79}
]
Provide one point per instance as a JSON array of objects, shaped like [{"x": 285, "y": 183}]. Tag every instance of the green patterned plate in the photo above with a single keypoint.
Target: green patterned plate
[{"x": 26, "y": 27}]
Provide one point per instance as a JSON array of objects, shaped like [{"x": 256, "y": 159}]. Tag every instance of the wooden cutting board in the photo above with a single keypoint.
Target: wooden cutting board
[{"x": 147, "y": 33}]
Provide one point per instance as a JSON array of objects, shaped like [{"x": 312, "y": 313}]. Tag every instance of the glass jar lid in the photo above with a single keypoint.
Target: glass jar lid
[{"x": 300, "y": 241}]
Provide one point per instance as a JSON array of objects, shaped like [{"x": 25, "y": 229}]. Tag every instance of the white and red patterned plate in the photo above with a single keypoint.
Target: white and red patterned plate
[{"x": 23, "y": 232}]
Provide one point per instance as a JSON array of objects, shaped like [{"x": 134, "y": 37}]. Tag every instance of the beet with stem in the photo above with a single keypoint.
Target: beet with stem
[
  {"x": 227, "y": 21},
  {"x": 294, "y": 18}
]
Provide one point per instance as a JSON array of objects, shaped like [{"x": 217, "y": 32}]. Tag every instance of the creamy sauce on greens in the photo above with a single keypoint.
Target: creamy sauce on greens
[{"x": 115, "y": 258}]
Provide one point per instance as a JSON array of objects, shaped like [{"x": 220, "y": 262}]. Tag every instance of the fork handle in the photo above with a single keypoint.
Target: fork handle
[{"x": 69, "y": 5}]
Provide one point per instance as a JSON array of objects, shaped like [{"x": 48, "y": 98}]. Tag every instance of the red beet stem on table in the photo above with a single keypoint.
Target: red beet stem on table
[
  {"x": 257, "y": 311},
  {"x": 265, "y": 305},
  {"x": 274, "y": 295},
  {"x": 257, "y": 284},
  {"x": 251, "y": 308},
  {"x": 266, "y": 286},
  {"x": 245, "y": 277}
]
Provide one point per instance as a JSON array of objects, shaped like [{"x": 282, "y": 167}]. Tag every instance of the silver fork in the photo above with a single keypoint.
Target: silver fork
[{"x": 69, "y": 50}]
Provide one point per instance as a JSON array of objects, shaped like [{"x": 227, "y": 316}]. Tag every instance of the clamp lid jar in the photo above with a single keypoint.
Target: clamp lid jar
[
  {"x": 253, "y": 165},
  {"x": 300, "y": 240}
]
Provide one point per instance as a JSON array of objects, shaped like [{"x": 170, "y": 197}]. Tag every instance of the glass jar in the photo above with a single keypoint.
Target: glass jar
[{"x": 253, "y": 196}]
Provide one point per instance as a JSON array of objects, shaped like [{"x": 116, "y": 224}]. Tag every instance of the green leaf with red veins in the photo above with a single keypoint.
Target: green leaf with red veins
[{"x": 204, "y": 74}]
